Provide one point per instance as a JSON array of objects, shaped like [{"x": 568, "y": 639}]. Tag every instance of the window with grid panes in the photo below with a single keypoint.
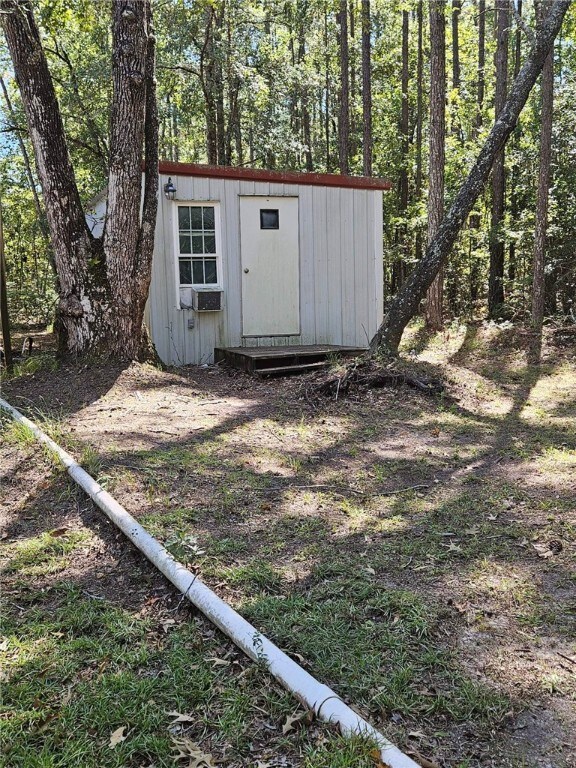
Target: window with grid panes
[{"x": 197, "y": 245}]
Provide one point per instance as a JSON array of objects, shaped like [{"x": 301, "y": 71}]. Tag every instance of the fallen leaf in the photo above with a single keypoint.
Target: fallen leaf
[
  {"x": 168, "y": 624},
  {"x": 180, "y": 718},
  {"x": 369, "y": 570},
  {"x": 548, "y": 550},
  {"x": 472, "y": 531},
  {"x": 416, "y": 735},
  {"x": 117, "y": 736},
  {"x": 220, "y": 662},
  {"x": 301, "y": 716},
  {"x": 376, "y": 755},
  {"x": 452, "y": 547},
  {"x": 186, "y": 749}
]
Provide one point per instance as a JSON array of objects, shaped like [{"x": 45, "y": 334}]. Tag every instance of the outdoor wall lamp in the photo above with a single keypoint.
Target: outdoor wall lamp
[{"x": 170, "y": 190}]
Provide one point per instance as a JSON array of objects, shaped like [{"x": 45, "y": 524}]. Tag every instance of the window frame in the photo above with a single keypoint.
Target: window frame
[{"x": 215, "y": 204}]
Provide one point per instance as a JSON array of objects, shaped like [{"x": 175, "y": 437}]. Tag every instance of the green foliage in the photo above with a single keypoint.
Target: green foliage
[{"x": 266, "y": 75}]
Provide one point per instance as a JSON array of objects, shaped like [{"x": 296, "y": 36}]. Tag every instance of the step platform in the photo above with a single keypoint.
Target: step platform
[{"x": 283, "y": 361}]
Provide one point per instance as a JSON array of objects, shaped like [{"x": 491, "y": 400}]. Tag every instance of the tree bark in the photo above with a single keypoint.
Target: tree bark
[
  {"x": 456, "y": 9},
  {"x": 366, "y": 89},
  {"x": 399, "y": 267},
  {"x": 405, "y": 304},
  {"x": 496, "y": 276},
  {"x": 480, "y": 87},
  {"x": 437, "y": 128},
  {"x": 538, "y": 286},
  {"x": 419, "y": 118},
  {"x": 456, "y": 126},
  {"x": 344, "y": 112},
  {"x": 102, "y": 284},
  {"x": 514, "y": 192},
  {"x": 4, "y": 317}
]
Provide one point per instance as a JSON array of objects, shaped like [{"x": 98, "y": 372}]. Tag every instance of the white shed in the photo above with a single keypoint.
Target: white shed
[{"x": 255, "y": 258}]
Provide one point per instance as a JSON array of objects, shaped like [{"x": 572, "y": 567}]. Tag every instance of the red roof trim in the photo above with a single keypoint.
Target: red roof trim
[{"x": 283, "y": 177}]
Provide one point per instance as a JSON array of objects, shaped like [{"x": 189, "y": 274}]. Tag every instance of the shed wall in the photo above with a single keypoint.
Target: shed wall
[{"x": 341, "y": 271}]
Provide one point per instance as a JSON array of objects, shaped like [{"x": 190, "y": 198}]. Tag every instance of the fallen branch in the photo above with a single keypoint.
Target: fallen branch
[
  {"x": 402, "y": 490},
  {"x": 363, "y": 375},
  {"x": 301, "y": 487}
]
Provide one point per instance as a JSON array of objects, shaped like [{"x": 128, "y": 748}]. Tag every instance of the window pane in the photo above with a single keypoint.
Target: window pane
[
  {"x": 197, "y": 245},
  {"x": 183, "y": 217},
  {"x": 185, "y": 272},
  {"x": 185, "y": 244},
  {"x": 209, "y": 244},
  {"x": 198, "y": 271},
  {"x": 269, "y": 218},
  {"x": 196, "y": 217},
  {"x": 208, "y": 218},
  {"x": 210, "y": 270}
]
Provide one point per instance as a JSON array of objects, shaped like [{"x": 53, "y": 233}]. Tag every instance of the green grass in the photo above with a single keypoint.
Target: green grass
[
  {"x": 78, "y": 669},
  {"x": 47, "y": 553},
  {"x": 378, "y": 647}
]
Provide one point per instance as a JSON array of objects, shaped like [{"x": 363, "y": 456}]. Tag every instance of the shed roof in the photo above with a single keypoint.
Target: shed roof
[{"x": 282, "y": 177}]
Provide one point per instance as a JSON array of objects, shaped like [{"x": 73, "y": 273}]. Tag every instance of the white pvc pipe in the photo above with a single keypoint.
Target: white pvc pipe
[{"x": 323, "y": 701}]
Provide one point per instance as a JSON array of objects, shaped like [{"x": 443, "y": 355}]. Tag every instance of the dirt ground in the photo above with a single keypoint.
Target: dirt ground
[{"x": 466, "y": 503}]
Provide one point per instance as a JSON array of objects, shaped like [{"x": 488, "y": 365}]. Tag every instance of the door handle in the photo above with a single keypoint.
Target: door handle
[{"x": 246, "y": 270}]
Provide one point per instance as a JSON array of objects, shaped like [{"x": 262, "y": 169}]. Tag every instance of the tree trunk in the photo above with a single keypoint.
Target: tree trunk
[
  {"x": 514, "y": 192},
  {"x": 399, "y": 268},
  {"x": 496, "y": 276},
  {"x": 456, "y": 9},
  {"x": 481, "y": 64},
  {"x": 207, "y": 81},
  {"x": 366, "y": 89},
  {"x": 538, "y": 290},
  {"x": 437, "y": 128},
  {"x": 4, "y": 317},
  {"x": 456, "y": 127},
  {"x": 344, "y": 113},
  {"x": 405, "y": 305},
  {"x": 419, "y": 119},
  {"x": 102, "y": 284}
]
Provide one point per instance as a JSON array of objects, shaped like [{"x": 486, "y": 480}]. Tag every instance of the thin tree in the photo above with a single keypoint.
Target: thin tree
[
  {"x": 419, "y": 117},
  {"x": 4, "y": 317},
  {"x": 496, "y": 276},
  {"x": 405, "y": 304},
  {"x": 366, "y": 89},
  {"x": 399, "y": 269},
  {"x": 515, "y": 142},
  {"x": 344, "y": 112},
  {"x": 26, "y": 160},
  {"x": 547, "y": 111},
  {"x": 456, "y": 69},
  {"x": 481, "y": 81},
  {"x": 437, "y": 130},
  {"x": 103, "y": 283}
]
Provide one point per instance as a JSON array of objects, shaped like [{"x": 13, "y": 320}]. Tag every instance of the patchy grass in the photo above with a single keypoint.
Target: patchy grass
[
  {"x": 46, "y": 553},
  {"x": 417, "y": 555}
]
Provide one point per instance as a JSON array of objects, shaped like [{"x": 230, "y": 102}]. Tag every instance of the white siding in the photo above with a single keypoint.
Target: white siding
[{"x": 341, "y": 296}]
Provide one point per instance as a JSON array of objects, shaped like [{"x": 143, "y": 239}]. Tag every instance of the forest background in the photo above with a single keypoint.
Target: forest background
[{"x": 326, "y": 86}]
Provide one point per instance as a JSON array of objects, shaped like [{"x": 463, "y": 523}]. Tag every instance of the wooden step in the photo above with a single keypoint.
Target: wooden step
[
  {"x": 269, "y": 361},
  {"x": 296, "y": 368}
]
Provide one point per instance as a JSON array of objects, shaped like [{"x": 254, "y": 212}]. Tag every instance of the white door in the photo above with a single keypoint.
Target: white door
[{"x": 270, "y": 266}]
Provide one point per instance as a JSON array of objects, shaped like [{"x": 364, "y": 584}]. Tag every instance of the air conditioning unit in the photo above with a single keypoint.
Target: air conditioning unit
[{"x": 206, "y": 300}]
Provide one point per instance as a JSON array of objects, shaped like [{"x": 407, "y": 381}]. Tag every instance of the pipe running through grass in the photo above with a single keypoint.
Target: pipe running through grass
[{"x": 322, "y": 700}]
